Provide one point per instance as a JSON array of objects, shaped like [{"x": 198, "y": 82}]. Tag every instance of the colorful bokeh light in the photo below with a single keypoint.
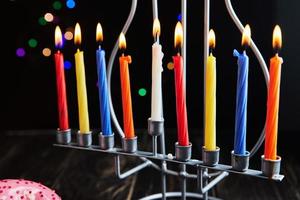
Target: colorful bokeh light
[
  {"x": 57, "y": 5},
  {"x": 70, "y": 4},
  {"x": 20, "y": 52},
  {"x": 49, "y": 17},
  {"x": 142, "y": 92},
  {"x": 68, "y": 35},
  {"x": 46, "y": 52},
  {"x": 67, "y": 64},
  {"x": 32, "y": 42},
  {"x": 170, "y": 66},
  {"x": 42, "y": 21}
]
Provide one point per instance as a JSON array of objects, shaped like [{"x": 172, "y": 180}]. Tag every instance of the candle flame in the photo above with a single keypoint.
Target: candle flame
[
  {"x": 99, "y": 33},
  {"x": 77, "y": 37},
  {"x": 212, "y": 39},
  {"x": 246, "y": 38},
  {"x": 178, "y": 35},
  {"x": 58, "y": 37},
  {"x": 122, "y": 41},
  {"x": 277, "y": 38},
  {"x": 156, "y": 28}
]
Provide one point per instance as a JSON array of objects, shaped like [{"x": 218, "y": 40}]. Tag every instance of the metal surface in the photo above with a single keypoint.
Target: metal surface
[
  {"x": 106, "y": 141},
  {"x": 211, "y": 157},
  {"x": 183, "y": 153},
  {"x": 63, "y": 137},
  {"x": 84, "y": 139},
  {"x": 160, "y": 157},
  {"x": 240, "y": 162},
  {"x": 155, "y": 128},
  {"x": 129, "y": 144},
  {"x": 270, "y": 168},
  {"x": 177, "y": 194},
  {"x": 129, "y": 172}
]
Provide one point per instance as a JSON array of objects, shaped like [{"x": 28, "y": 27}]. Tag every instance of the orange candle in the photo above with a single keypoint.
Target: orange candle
[
  {"x": 125, "y": 89},
  {"x": 273, "y": 99}
]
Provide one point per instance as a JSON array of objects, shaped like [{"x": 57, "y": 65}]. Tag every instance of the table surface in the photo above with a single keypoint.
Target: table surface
[{"x": 78, "y": 175}]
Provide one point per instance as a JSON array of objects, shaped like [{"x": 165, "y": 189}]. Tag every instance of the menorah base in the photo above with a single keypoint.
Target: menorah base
[{"x": 63, "y": 136}]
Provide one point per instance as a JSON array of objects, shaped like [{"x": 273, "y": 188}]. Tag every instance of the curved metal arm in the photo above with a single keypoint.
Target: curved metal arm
[
  {"x": 110, "y": 66},
  {"x": 120, "y": 175},
  {"x": 261, "y": 62}
]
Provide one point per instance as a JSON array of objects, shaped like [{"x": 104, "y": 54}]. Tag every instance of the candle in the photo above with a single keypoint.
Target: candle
[
  {"x": 60, "y": 83},
  {"x": 210, "y": 97},
  {"x": 242, "y": 95},
  {"x": 273, "y": 99},
  {"x": 125, "y": 89},
  {"x": 157, "y": 56},
  {"x": 182, "y": 124},
  {"x": 84, "y": 126},
  {"x": 102, "y": 85}
]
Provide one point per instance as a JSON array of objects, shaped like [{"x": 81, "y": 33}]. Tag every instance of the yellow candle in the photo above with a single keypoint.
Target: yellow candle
[
  {"x": 84, "y": 125},
  {"x": 210, "y": 98}
]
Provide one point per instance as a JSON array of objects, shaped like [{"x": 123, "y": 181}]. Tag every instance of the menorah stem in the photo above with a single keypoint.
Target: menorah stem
[
  {"x": 154, "y": 145},
  {"x": 163, "y": 180},
  {"x": 204, "y": 183},
  {"x": 183, "y": 181}
]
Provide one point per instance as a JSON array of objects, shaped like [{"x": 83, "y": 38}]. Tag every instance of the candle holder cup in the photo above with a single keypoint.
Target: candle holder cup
[
  {"x": 183, "y": 153},
  {"x": 210, "y": 157},
  {"x": 240, "y": 162},
  {"x": 129, "y": 144},
  {"x": 63, "y": 136},
  {"x": 106, "y": 142},
  {"x": 155, "y": 128},
  {"x": 269, "y": 167},
  {"x": 84, "y": 139}
]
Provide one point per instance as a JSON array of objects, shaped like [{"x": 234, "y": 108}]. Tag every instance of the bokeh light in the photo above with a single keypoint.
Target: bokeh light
[
  {"x": 68, "y": 35},
  {"x": 179, "y": 17},
  {"x": 32, "y": 42},
  {"x": 46, "y": 52},
  {"x": 142, "y": 92},
  {"x": 20, "y": 52},
  {"x": 70, "y": 4},
  {"x": 67, "y": 64},
  {"x": 57, "y": 5},
  {"x": 42, "y": 21},
  {"x": 49, "y": 17},
  {"x": 170, "y": 66}
]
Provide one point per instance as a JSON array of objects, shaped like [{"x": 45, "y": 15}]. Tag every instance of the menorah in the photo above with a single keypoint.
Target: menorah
[{"x": 209, "y": 171}]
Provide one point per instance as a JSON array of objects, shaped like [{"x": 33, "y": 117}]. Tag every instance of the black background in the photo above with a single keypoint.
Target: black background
[{"x": 28, "y": 88}]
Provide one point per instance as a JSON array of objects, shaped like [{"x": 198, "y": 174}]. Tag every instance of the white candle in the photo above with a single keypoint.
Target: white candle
[{"x": 156, "y": 93}]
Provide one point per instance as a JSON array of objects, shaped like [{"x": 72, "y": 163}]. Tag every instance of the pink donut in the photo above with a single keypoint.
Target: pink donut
[{"x": 12, "y": 189}]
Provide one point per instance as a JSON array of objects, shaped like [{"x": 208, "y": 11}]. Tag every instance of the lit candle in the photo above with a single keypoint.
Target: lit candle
[
  {"x": 273, "y": 99},
  {"x": 60, "y": 83},
  {"x": 84, "y": 125},
  {"x": 102, "y": 85},
  {"x": 242, "y": 95},
  {"x": 210, "y": 97},
  {"x": 182, "y": 124},
  {"x": 125, "y": 89},
  {"x": 157, "y": 56}
]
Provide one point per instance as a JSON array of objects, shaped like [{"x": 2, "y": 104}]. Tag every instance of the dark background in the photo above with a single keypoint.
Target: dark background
[{"x": 28, "y": 88}]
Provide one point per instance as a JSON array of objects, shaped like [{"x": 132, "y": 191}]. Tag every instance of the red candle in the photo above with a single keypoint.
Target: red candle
[
  {"x": 125, "y": 89},
  {"x": 60, "y": 83},
  {"x": 182, "y": 124},
  {"x": 273, "y": 99}
]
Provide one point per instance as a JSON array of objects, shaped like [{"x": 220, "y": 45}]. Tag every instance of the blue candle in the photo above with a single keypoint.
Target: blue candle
[
  {"x": 241, "y": 103},
  {"x": 103, "y": 96}
]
